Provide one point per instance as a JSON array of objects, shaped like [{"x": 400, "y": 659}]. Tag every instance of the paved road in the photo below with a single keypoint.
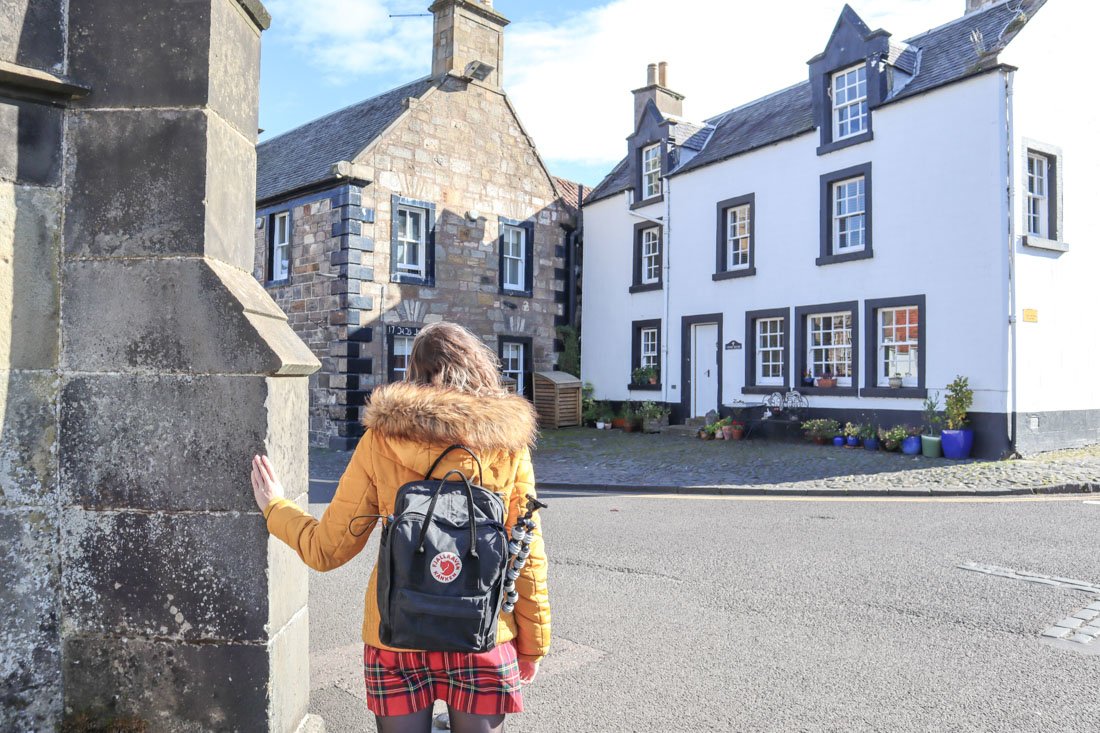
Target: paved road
[{"x": 724, "y": 614}]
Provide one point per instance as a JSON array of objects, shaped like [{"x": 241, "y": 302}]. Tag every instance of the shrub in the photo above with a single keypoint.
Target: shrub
[{"x": 959, "y": 399}]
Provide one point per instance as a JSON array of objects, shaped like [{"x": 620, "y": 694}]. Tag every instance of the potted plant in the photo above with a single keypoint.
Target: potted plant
[
  {"x": 654, "y": 416},
  {"x": 958, "y": 440},
  {"x": 808, "y": 379},
  {"x": 852, "y": 433},
  {"x": 869, "y": 436},
  {"x": 895, "y": 381},
  {"x": 707, "y": 433},
  {"x": 930, "y": 444},
  {"x": 736, "y": 430},
  {"x": 891, "y": 437},
  {"x": 826, "y": 379},
  {"x": 821, "y": 429},
  {"x": 644, "y": 375},
  {"x": 604, "y": 416},
  {"x": 632, "y": 421},
  {"x": 618, "y": 418},
  {"x": 910, "y": 444}
]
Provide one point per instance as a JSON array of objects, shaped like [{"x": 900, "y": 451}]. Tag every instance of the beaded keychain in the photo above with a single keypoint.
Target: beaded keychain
[{"x": 519, "y": 548}]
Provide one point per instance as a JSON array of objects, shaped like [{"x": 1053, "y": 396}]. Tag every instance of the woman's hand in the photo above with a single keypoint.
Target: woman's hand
[
  {"x": 265, "y": 485},
  {"x": 527, "y": 671}
]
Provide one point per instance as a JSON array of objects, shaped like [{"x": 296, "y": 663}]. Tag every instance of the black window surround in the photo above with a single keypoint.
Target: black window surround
[
  {"x": 686, "y": 322},
  {"x": 269, "y": 270},
  {"x": 528, "y": 228},
  {"x": 828, "y": 144},
  {"x": 828, "y": 201},
  {"x": 636, "y": 353},
  {"x": 638, "y": 286},
  {"x": 1053, "y": 155},
  {"x": 639, "y": 175},
  {"x": 801, "y": 315},
  {"x": 870, "y": 309},
  {"x": 394, "y": 332},
  {"x": 751, "y": 317},
  {"x": 721, "y": 265},
  {"x": 429, "y": 242},
  {"x": 527, "y": 346}
]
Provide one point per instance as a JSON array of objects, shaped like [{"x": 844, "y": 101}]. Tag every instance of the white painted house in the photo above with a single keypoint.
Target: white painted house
[{"x": 918, "y": 207}]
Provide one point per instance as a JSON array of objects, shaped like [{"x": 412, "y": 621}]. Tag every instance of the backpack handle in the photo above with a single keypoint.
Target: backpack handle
[
  {"x": 480, "y": 473},
  {"x": 469, "y": 511}
]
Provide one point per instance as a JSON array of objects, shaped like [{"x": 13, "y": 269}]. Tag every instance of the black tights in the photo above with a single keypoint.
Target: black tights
[{"x": 421, "y": 722}]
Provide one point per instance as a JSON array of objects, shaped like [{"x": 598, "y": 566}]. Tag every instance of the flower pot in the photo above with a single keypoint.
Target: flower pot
[
  {"x": 720, "y": 434},
  {"x": 895, "y": 382},
  {"x": 727, "y": 432},
  {"x": 653, "y": 380},
  {"x": 870, "y": 443},
  {"x": 807, "y": 381},
  {"x": 853, "y": 441},
  {"x": 737, "y": 433},
  {"x": 819, "y": 440},
  {"x": 957, "y": 444},
  {"x": 654, "y": 425},
  {"x": 911, "y": 446},
  {"x": 618, "y": 422},
  {"x": 826, "y": 383},
  {"x": 838, "y": 441},
  {"x": 930, "y": 446},
  {"x": 600, "y": 425}
]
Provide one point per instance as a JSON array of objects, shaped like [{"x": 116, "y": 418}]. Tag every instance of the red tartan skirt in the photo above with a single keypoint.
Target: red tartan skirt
[{"x": 486, "y": 683}]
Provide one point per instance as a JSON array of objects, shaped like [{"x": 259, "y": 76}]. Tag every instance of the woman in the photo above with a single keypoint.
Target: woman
[{"x": 451, "y": 394}]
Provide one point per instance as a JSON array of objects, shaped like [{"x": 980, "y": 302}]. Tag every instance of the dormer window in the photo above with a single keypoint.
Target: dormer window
[
  {"x": 849, "y": 92},
  {"x": 651, "y": 171}
]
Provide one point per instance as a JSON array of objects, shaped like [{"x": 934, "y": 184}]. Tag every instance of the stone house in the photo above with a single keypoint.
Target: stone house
[
  {"x": 910, "y": 211},
  {"x": 424, "y": 203}
]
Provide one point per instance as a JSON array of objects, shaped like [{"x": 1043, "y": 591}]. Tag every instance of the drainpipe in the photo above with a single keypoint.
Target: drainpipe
[
  {"x": 1010, "y": 230},
  {"x": 667, "y": 275}
]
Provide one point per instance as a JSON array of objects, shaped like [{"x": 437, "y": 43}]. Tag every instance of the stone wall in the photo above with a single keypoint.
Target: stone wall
[{"x": 140, "y": 368}]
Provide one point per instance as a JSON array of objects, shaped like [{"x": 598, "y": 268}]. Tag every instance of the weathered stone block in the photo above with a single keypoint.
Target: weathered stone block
[
  {"x": 172, "y": 686},
  {"x": 156, "y": 163},
  {"x": 290, "y": 674},
  {"x": 137, "y": 315},
  {"x": 191, "y": 577},
  {"x": 32, "y": 33},
  {"x": 230, "y": 197},
  {"x": 27, "y": 433},
  {"x": 30, "y": 660},
  {"x": 30, "y": 222},
  {"x": 33, "y": 153},
  {"x": 235, "y": 70}
]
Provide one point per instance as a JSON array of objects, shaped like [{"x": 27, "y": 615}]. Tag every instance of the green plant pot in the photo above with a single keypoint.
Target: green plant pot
[{"x": 931, "y": 446}]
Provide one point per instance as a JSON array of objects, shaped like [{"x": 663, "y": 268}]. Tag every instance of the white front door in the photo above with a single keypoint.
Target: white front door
[{"x": 704, "y": 368}]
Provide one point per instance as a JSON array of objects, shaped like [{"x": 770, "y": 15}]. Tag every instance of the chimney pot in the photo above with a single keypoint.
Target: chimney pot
[
  {"x": 662, "y": 74},
  {"x": 651, "y": 75}
]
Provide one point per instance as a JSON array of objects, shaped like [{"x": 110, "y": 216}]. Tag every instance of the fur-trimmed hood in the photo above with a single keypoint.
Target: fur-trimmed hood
[{"x": 429, "y": 414}]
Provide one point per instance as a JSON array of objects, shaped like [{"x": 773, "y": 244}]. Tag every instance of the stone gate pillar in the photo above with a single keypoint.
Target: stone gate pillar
[{"x": 144, "y": 367}]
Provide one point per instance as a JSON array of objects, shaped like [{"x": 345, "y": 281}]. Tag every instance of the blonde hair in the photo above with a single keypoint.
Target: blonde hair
[{"x": 447, "y": 355}]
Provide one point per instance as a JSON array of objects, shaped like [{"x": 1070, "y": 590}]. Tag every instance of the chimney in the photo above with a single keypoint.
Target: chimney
[
  {"x": 972, "y": 6},
  {"x": 468, "y": 40},
  {"x": 669, "y": 103}
]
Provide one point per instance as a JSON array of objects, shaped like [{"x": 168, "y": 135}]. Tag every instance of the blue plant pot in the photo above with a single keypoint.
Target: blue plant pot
[
  {"x": 853, "y": 441},
  {"x": 911, "y": 446},
  {"x": 838, "y": 441},
  {"x": 870, "y": 443},
  {"x": 957, "y": 444}
]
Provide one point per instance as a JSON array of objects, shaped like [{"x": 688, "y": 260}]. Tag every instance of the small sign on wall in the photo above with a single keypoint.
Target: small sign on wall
[
  {"x": 1031, "y": 315},
  {"x": 733, "y": 345}
]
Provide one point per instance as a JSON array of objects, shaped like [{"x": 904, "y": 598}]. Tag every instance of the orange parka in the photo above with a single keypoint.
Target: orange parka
[{"x": 408, "y": 426}]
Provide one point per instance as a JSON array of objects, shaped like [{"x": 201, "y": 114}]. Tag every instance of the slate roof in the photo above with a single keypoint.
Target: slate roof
[
  {"x": 305, "y": 155},
  {"x": 940, "y": 56},
  {"x": 570, "y": 193}
]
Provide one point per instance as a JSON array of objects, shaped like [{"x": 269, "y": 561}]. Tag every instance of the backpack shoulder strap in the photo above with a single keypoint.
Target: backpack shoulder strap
[{"x": 456, "y": 446}]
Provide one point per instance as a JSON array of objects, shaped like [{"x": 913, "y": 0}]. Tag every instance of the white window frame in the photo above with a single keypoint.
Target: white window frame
[
  {"x": 508, "y": 369},
  {"x": 405, "y": 342},
  {"x": 768, "y": 333},
  {"x": 1037, "y": 213},
  {"x": 835, "y": 341},
  {"x": 738, "y": 237},
  {"x": 280, "y": 246},
  {"x": 406, "y": 244},
  {"x": 648, "y": 351},
  {"x": 839, "y": 194},
  {"x": 910, "y": 340},
  {"x": 514, "y": 237},
  {"x": 849, "y": 93},
  {"x": 651, "y": 171},
  {"x": 651, "y": 255}
]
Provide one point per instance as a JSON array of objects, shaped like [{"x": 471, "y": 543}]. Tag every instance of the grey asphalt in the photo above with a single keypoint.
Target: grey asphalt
[{"x": 704, "y": 613}]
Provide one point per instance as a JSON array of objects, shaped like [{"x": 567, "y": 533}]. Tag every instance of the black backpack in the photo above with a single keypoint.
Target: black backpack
[{"x": 441, "y": 564}]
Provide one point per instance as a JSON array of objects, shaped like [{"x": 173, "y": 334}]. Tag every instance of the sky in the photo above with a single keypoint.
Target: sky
[{"x": 569, "y": 65}]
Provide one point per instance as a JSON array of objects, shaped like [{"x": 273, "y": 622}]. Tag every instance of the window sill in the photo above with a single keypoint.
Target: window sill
[
  {"x": 645, "y": 288},
  {"x": 277, "y": 283},
  {"x": 900, "y": 392},
  {"x": 827, "y": 391},
  {"x": 1030, "y": 240},
  {"x": 765, "y": 389},
  {"x": 731, "y": 274},
  {"x": 846, "y": 142},
  {"x": 515, "y": 293},
  {"x": 396, "y": 277},
  {"x": 864, "y": 254},
  {"x": 647, "y": 202},
  {"x": 645, "y": 387}
]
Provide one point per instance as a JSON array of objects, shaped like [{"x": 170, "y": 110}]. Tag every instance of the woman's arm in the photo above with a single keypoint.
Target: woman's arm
[
  {"x": 532, "y": 612},
  {"x": 330, "y": 542}
]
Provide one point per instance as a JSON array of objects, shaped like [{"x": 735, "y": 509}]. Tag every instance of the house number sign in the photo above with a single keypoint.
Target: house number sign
[
  {"x": 402, "y": 330},
  {"x": 733, "y": 345}
]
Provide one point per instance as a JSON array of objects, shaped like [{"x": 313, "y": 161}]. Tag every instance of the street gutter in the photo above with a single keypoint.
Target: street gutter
[{"x": 1064, "y": 488}]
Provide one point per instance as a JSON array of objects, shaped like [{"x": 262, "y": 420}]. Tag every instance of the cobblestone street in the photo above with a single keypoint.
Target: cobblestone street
[{"x": 588, "y": 457}]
